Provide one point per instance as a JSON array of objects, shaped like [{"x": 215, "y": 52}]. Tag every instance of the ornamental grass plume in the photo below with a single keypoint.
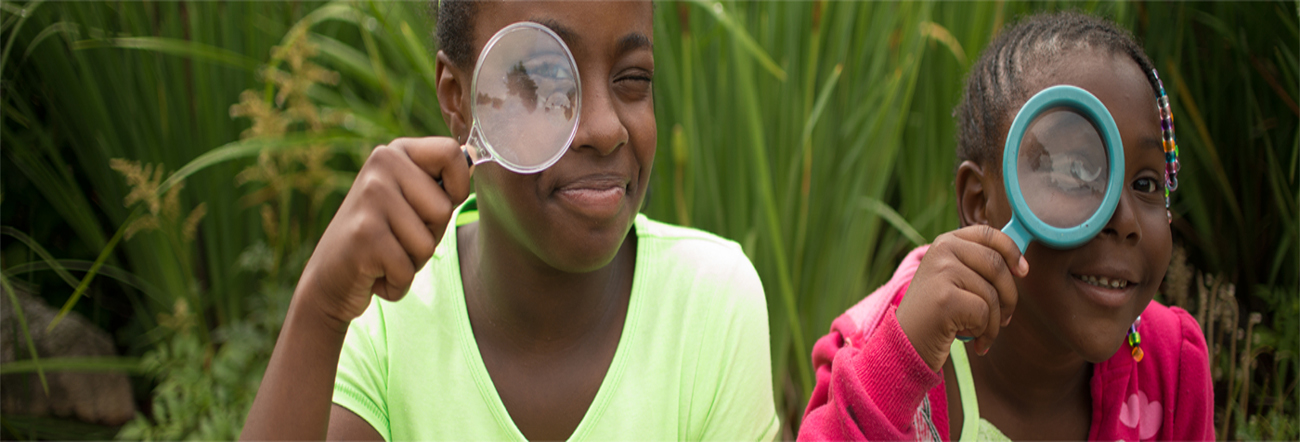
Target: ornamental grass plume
[
  {"x": 290, "y": 75},
  {"x": 162, "y": 210}
]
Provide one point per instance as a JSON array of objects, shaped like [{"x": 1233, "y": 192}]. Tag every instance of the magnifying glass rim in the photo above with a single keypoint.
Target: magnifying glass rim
[
  {"x": 1085, "y": 103},
  {"x": 473, "y": 90}
]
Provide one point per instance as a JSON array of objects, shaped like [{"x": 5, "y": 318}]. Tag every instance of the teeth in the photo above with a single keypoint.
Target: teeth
[{"x": 1104, "y": 282}]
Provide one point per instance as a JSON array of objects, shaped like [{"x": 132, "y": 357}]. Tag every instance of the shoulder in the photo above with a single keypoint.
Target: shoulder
[
  {"x": 1169, "y": 330},
  {"x": 1174, "y": 358},
  {"x": 675, "y": 255},
  {"x": 1172, "y": 377},
  {"x": 700, "y": 284},
  {"x": 678, "y": 239}
]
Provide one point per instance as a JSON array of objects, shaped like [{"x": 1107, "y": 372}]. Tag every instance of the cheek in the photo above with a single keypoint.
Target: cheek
[
  {"x": 502, "y": 190},
  {"x": 639, "y": 118},
  {"x": 1157, "y": 241}
]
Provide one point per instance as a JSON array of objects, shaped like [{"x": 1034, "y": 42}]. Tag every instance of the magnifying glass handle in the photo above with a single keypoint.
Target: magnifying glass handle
[{"x": 1016, "y": 230}]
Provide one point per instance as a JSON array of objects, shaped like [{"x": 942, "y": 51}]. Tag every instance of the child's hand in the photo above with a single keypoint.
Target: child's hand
[
  {"x": 387, "y": 227},
  {"x": 963, "y": 287}
]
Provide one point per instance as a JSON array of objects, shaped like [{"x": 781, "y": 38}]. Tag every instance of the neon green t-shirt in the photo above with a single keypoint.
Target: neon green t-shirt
[{"x": 692, "y": 362}]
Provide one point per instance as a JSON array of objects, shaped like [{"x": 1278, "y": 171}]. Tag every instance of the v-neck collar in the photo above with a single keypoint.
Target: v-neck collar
[{"x": 474, "y": 358}]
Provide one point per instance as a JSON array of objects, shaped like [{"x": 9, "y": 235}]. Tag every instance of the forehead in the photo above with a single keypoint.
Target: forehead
[
  {"x": 1116, "y": 80},
  {"x": 585, "y": 26}
]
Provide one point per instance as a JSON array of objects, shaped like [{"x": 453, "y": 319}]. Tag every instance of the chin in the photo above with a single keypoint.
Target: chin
[
  {"x": 593, "y": 252},
  {"x": 1098, "y": 346}
]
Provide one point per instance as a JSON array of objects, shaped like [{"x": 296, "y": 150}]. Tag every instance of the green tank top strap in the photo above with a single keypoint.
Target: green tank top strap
[
  {"x": 970, "y": 407},
  {"x": 973, "y": 427},
  {"x": 468, "y": 214}
]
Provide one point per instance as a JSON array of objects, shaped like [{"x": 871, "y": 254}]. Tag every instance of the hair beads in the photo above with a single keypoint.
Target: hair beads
[
  {"x": 1170, "y": 145},
  {"x": 1135, "y": 340}
]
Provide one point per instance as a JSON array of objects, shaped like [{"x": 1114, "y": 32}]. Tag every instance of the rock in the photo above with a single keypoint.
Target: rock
[{"x": 96, "y": 397}]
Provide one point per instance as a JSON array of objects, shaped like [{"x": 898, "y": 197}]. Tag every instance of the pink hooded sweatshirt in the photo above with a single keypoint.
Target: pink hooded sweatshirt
[{"x": 872, "y": 385}]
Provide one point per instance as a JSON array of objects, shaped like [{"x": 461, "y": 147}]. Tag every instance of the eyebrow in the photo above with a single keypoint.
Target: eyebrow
[
  {"x": 1153, "y": 143},
  {"x": 567, "y": 34},
  {"x": 632, "y": 42}
]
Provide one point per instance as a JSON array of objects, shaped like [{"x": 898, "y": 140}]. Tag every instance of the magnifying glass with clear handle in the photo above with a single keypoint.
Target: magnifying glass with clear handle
[{"x": 525, "y": 100}]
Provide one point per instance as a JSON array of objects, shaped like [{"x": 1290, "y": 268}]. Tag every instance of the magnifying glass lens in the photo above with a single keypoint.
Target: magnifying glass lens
[
  {"x": 526, "y": 98},
  {"x": 1063, "y": 167}
]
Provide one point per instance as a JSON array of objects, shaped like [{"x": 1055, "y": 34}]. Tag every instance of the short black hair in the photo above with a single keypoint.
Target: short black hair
[
  {"x": 996, "y": 85},
  {"x": 455, "y": 33}
]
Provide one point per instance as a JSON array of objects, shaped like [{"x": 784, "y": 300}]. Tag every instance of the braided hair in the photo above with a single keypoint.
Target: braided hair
[
  {"x": 996, "y": 86},
  {"x": 455, "y": 34}
]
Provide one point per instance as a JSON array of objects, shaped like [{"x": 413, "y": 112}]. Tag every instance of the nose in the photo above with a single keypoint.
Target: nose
[
  {"x": 1124, "y": 224},
  {"x": 600, "y": 127}
]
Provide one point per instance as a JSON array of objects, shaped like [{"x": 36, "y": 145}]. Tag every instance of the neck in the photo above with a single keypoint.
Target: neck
[
  {"x": 533, "y": 306},
  {"x": 1031, "y": 372}
]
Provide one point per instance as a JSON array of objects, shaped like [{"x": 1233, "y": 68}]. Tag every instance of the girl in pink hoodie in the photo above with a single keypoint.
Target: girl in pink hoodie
[{"x": 1088, "y": 353}]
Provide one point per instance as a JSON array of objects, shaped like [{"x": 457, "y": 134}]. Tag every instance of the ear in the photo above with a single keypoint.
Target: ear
[
  {"x": 451, "y": 96},
  {"x": 973, "y": 196}
]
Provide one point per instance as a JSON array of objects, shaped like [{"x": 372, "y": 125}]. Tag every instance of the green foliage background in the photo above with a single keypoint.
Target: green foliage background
[{"x": 817, "y": 134}]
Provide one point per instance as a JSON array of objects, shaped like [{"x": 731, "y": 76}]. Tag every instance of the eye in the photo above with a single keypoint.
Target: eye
[
  {"x": 1148, "y": 185},
  {"x": 547, "y": 66},
  {"x": 642, "y": 78},
  {"x": 553, "y": 70},
  {"x": 635, "y": 84}
]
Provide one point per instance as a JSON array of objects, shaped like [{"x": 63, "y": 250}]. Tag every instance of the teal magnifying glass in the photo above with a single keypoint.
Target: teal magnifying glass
[
  {"x": 1063, "y": 167},
  {"x": 525, "y": 99}
]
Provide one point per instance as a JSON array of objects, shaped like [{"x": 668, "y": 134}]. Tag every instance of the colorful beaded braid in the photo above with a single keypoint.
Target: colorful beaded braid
[
  {"x": 1135, "y": 340},
  {"x": 1167, "y": 139}
]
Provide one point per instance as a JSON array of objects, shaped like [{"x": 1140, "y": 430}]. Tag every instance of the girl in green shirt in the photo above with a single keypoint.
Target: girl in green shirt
[{"x": 560, "y": 313}]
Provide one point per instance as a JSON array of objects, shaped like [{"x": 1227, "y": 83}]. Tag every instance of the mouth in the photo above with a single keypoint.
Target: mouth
[
  {"x": 597, "y": 197},
  {"x": 1110, "y": 291},
  {"x": 1104, "y": 282}
]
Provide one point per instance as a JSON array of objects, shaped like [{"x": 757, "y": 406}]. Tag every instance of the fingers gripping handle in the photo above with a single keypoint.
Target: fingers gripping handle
[{"x": 475, "y": 152}]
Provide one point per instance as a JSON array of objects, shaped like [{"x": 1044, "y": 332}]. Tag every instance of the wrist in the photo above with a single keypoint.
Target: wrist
[
  {"x": 309, "y": 310},
  {"x": 921, "y": 344}
]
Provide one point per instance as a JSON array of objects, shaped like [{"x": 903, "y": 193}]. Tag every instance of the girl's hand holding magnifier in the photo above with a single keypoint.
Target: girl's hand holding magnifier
[
  {"x": 387, "y": 227},
  {"x": 963, "y": 287}
]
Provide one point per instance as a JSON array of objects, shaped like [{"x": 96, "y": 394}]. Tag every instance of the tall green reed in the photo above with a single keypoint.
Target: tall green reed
[{"x": 779, "y": 154}]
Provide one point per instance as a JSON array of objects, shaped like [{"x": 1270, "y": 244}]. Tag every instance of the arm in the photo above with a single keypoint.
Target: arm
[
  {"x": 870, "y": 389},
  {"x": 293, "y": 401},
  {"x": 346, "y": 425},
  {"x": 867, "y": 390},
  {"x": 374, "y": 245}
]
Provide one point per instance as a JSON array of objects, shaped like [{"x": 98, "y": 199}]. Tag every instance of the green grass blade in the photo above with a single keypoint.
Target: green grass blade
[
  {"x": 81, "y": 364},
  {"x": 746, "y": 41},
  {"x": 183, "y": 48},
  {"x": 27, "y": 335},
  {"x": 878, "y": 208},
  {"x": 23, "y": 16},
  {"x": 90, "y": 275},
  {"x": 41, "y": 252},
  {"x": 63, "y": 27},
  {"x": 252, "y": 147}
]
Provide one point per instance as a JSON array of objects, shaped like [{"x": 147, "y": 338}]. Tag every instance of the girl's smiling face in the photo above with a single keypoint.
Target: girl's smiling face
[
  {"x": 1086, "y": 298},
  {"x": 575, "y": 215}
]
